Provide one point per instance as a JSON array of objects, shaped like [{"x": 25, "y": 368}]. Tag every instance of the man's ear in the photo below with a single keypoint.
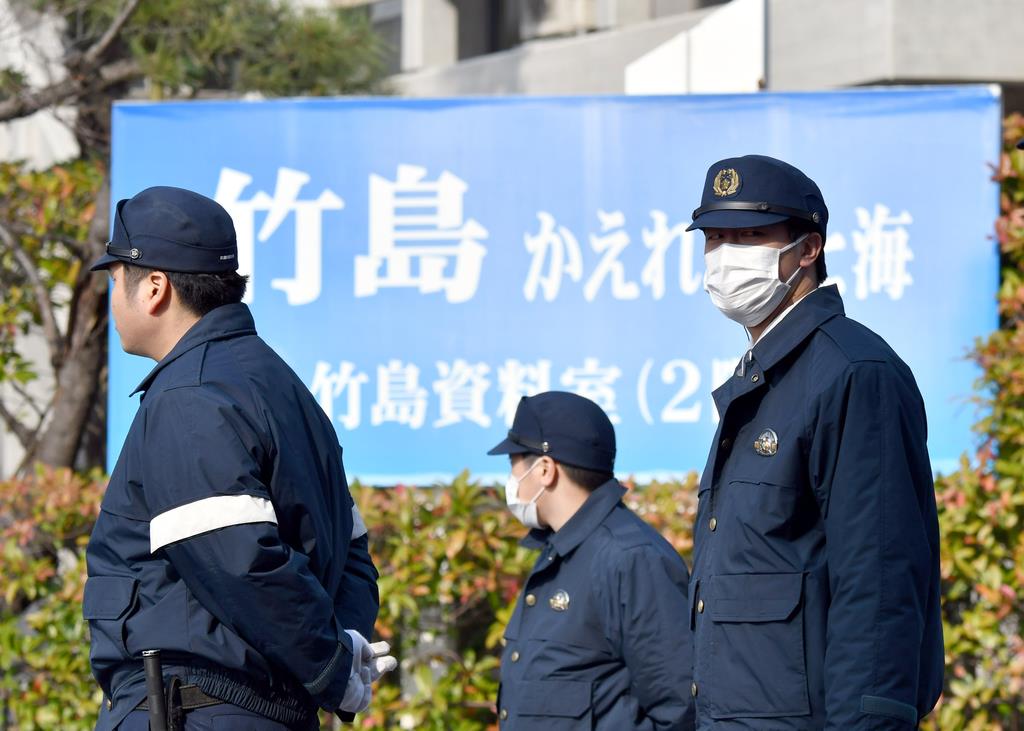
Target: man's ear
[
  {"x": 810, "y": 249},
  {"x": 547, "y": 472},
  {"x": 155, "y": 292}
]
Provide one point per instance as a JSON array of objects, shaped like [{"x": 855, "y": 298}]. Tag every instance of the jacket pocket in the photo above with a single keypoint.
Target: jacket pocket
[
  {"x": 558, "y": 705},
  {"x": 757, "y": 665},
  {"x": 106, "y": 605}
]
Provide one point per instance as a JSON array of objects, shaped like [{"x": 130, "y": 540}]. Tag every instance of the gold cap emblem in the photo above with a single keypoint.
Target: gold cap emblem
[
  {"x": 560, "y": 601},
  {"x": 727, "y": 182},
  {"x": 767, "y": 444}
]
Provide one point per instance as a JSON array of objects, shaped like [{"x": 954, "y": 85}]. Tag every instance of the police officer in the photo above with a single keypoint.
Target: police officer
[
  {"x": 598, "y": 638},
  {"x": 815, "y": 589},
  {"x": 227, "y": 538}
]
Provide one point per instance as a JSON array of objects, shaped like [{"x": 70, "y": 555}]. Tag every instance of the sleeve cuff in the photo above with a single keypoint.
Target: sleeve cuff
[{"x": 328, "y": 688}]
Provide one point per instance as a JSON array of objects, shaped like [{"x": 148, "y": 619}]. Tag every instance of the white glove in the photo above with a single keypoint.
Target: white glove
[
  {"x": 369, "y": 663},
  {"x": 358, "y": 692},
  {"x": 380, "y": 660}
]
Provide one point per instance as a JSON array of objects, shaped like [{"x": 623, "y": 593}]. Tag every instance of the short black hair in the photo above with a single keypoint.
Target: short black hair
[
  {"x": 199, "y": 292},
  {"x": 589, "y": 480},
  {"x": 797, "y": 228}
]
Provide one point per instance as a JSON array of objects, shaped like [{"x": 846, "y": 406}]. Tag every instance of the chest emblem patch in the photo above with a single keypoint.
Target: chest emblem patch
[
  {"x": 560, "y": 601},
  {"x": 767, "y": 444}
]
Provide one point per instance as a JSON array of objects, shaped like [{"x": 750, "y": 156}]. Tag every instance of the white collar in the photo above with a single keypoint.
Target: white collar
[{"x": 778, "y": 319}]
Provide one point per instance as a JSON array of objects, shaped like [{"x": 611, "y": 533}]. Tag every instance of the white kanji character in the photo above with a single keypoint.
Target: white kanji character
[
  {"x": 305, "y": 286},
  {"x": 560, "y": 250},
  {"x": 328, "y": 386},
  {"x": 516, "y": 380},
  {"x": 882, "y": 252},
  {"x": 400, "y": 398},
  {"x": 417, "y": 234},
  {"x": 659, "y": 239},
  {"x": 610, "y": 243},
  {"x": 595, "y": 383},
  {"x": 461, "y": 389}
]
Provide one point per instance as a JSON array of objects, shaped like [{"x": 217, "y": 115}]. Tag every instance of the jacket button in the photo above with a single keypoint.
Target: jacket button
[
  {"x": 712, "y": 524},
  {"x": 503, "y": 641},
  {"x": 755, "y": 378},
  {"x": 530, "y": 600},
  {"x": 504, "y": 714},
  {"x": 693, "y": 689},
  {"x": 725, "y": 443},
  {"x": 515, "y": 656},
  {"x": 700, "y": 606}
]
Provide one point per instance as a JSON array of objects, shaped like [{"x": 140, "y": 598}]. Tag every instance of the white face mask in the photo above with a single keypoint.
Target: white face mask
[
  {"x": 743, "y": 280},
  {"x": 526, "y": 513}
]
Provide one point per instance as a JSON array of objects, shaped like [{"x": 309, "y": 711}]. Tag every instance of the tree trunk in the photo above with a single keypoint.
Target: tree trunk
[
  {"x": 77, "y": 388},
  {"x": 78, "y": 380}
]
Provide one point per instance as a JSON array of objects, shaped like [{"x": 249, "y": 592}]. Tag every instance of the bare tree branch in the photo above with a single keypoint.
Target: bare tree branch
[
  {"x": 96, "y": 51},
  {"x": 51, "y": 330},
  {"x": 116, "y": 72},
  {"x": 27, "y": 398},
  {"x": 73, "y": 244},
  {"x": 26, "y": 103},
  {"x": 25, "y": 435},
  {"x": 81, "y": 81}
]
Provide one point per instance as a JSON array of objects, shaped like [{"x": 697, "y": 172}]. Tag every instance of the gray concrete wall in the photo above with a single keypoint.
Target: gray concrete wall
[
  {"x": 948, "y": 39},
  {"x": 815, "y": 44},
  {"x": 589, "y": 64}
]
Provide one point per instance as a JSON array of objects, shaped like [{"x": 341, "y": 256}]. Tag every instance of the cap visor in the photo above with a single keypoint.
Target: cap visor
[
  {"x": 507, "y": 446},
  {"x": 104, "y": 262},
  {"x": 735, "y": 219}
]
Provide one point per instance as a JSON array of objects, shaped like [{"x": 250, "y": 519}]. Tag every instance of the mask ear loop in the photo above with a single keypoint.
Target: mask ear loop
[
  {"x": 799, "y": 270},
  {"x": 536, "y": 497}
]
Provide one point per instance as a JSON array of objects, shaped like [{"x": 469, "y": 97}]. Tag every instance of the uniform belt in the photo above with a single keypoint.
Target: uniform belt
[{"x": 191, "y": 697}]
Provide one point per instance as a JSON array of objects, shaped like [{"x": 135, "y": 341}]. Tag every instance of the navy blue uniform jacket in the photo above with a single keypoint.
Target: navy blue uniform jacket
[
  {"x": 226, "y": 536},
  {"x": 598, "y": 639},
  {"x": 815, "y": 589}
]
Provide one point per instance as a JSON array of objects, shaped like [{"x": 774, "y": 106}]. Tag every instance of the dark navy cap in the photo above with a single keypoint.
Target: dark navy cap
[
  {"x": 567, "y": 427},
  {"x": 172, "y": 229},
  {"x": 1020, "y": 144},
  {"x": 755, "y": 190}
]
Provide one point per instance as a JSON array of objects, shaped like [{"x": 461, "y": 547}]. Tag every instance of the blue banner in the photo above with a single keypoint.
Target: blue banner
[{"x": 421, "y": 264}]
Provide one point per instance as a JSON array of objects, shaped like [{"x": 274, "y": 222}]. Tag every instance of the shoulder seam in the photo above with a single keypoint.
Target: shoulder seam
[{"x": 826, "y": 330}]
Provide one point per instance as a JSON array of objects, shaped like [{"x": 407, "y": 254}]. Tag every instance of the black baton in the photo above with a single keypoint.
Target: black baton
[{"x": 155, "y": 690}]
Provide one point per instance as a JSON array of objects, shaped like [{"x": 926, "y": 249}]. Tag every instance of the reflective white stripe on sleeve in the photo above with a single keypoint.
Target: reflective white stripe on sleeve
[
  {"x": 211, "y": 513},
  {"x": 358, "y": 526}
]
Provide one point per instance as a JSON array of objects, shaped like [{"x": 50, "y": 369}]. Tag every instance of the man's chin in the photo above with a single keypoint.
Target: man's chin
[{"x": 130, "y": 349}]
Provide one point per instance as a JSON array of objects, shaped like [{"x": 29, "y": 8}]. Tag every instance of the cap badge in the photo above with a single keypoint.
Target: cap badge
[
  {"x": 767, "y": 444},
  {"x": 560, "y": 601},
  {"x": 726, "y": 183},
  {"x": 135, "y": 253}
]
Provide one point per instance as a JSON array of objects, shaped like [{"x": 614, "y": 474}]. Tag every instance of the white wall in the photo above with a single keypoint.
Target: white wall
[
  {"x": 723, "y": 53},
  {"x": 29, "y": 43}
]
